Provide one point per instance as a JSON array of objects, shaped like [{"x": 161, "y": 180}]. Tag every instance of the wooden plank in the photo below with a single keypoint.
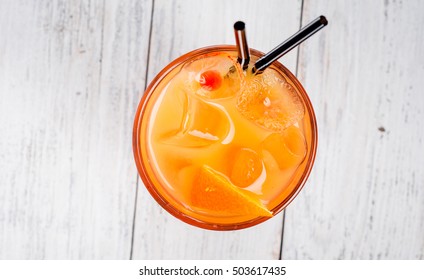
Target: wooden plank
[
  {"x": 178, "y": 27},
  {"x": 70, "y": 77},
  {"x": 364, "y": 73}
]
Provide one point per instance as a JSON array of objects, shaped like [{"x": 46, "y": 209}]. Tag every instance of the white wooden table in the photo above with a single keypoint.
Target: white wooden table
[{"x": 72, "y": 74}]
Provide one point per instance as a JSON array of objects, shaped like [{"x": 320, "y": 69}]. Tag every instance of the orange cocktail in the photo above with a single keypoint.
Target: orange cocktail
[{"x": 220, "y": 148}]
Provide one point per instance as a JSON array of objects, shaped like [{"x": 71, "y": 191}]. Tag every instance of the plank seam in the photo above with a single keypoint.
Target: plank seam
[
  {"x": 297, "y": 73},
  {"x": 145, "y": 86}
]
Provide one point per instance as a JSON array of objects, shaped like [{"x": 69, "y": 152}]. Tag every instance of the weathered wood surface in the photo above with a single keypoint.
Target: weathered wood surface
[
  {"x": 72, "y": 73},
  {"x": 365, "y": 76}
]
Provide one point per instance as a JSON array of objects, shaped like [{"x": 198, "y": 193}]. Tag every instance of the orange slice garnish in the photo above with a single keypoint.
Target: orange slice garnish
[{"x": 213, "y": 192}]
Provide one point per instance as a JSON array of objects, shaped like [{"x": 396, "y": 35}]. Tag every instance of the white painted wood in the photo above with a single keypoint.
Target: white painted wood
[
  {"x": 365, "y": 198},
  {"x": 179, "y": 27},
  {"x": 71, "y": 73}
]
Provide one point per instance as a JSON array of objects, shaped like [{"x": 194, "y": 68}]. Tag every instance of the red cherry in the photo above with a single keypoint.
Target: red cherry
[{"x": 210, "y": 80}]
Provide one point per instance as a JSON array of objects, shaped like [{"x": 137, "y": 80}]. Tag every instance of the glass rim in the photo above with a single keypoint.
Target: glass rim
[{"x": 150, "y": 185}]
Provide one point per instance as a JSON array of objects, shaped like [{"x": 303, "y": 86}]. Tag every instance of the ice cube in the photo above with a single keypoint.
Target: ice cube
[
  {"x": 171, "y": 108},
  {"x": 247, "y": 167},
  {"x": 287, "y": 148},
  {"x": 213, "y": 76},
  {"x": 203, "y": 124},
  {"x": 270, "y": 101},
  {"x": 184, "y": 180}
]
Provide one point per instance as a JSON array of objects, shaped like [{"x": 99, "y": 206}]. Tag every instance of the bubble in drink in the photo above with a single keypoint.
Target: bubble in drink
[{"x": 220, "y": 148}]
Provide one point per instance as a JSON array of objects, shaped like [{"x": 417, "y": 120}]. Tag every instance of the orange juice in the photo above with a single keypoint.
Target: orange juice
[{"x": 220, "y": 148}]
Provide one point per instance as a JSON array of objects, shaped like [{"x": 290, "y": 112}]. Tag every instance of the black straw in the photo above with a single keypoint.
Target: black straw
[
  {"x": 241, "y": 42},
  {"x": 289, "y": 44}
]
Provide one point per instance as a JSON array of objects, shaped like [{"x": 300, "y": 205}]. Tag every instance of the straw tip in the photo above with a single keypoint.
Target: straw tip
[
  {"x": 239, "y": 25},
  {"x": 323, "y": 20}
]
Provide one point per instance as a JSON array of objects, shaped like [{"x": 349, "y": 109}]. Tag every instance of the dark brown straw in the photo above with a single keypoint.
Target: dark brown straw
[
  {"x": 289, "y": 44},
  {"x": 241, "y": 42}
]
